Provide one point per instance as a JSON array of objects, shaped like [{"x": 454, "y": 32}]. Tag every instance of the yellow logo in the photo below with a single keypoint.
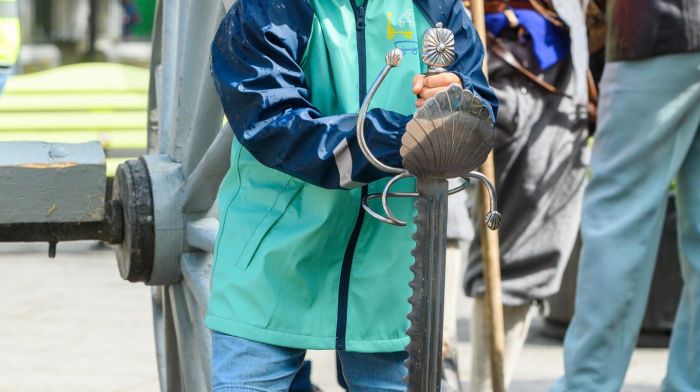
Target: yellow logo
[{"x": 406, "y": 20}]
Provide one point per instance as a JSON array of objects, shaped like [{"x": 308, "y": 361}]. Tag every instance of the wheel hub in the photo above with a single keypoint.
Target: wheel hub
[{"x": 132, "y": 187}]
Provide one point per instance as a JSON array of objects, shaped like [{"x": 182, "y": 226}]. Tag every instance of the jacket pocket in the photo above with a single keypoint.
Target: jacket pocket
[{"x": 250, "y": 234}]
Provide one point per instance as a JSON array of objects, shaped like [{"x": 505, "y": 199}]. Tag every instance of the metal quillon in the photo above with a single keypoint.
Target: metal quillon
[{"x": 448, "y": 137}]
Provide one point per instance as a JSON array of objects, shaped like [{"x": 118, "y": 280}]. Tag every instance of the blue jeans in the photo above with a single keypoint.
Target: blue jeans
[
  {"x": 648, "y": 134},
  {"x": 243, "y": 365}
]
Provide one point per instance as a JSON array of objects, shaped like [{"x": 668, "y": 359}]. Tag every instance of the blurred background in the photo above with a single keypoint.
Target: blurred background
[
  {"x": 71, "y": 323},
  {"x": 82, "y": 75},
  {"x": 61, "y": 32}
]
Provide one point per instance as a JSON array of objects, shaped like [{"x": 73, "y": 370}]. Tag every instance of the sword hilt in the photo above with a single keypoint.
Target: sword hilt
[
  {"x": 448, "y": 136},
  {"x": 437, "y": 58}
]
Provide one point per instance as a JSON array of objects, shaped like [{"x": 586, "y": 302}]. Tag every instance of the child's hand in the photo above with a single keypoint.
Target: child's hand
[{"x": 426, "y": 87}]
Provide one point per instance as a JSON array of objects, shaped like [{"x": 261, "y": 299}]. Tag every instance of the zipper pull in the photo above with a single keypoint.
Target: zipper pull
[{"x": 361, "y": 18}]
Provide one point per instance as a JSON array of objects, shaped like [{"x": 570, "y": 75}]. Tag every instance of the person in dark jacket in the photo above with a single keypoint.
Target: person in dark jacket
[
  {"x": 539, "y": 157},
  {"x": 648, "y": 134}
]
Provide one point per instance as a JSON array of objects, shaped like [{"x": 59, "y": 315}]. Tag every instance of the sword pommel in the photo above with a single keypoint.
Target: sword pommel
[{"x": 438, "y": 49}]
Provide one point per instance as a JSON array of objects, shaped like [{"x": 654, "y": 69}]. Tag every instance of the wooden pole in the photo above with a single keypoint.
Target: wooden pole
[{"x": 490, "y": 246}]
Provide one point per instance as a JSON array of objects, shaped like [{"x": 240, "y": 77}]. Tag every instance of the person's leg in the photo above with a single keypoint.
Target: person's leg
[
  {"x": 453, "y": 276},
  {"x": 453, "y": 268},
  {"x": 302, "y": 380},
  {"x": 540, "y": 168},
  {"x": 374, "y": 372},
  {"x": 516, "y": 323},
  {"x": 539, "y": 154},
  {"x": 241, "y": 365},
  {"x": 684, "y": 358},
  {"x": 339, "y": 372},
  {"x": 643, "y": 136}
]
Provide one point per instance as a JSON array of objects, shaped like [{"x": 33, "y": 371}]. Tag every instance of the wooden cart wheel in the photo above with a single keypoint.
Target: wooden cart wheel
[{"x": 188, "y": 155}]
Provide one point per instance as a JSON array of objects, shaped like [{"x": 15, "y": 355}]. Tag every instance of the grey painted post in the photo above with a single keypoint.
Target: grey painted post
[{"x": 51, "y": 182}]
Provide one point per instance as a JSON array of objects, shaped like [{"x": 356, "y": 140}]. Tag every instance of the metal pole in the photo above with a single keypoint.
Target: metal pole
[
  {"x": 490, "y": 246},
  {"x": 153, "y": 88}
]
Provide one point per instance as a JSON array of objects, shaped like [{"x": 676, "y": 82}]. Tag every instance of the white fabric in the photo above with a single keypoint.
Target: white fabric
[{"x": 516, "y": 320}]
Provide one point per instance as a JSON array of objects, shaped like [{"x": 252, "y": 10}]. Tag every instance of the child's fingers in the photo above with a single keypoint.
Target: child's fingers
[
  {"x": 418, "y": 83},
  {"x": 430, "y": 92},
  {"x": 420, "y": 102},
  {"x": 441, "y": 80}
]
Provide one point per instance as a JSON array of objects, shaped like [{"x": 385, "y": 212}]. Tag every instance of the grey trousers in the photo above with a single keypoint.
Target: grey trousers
[{"x": 648, "y": 134}]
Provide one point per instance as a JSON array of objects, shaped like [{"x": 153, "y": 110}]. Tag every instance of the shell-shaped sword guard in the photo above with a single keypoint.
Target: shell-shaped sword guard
[{"x": 450, "y": 135}]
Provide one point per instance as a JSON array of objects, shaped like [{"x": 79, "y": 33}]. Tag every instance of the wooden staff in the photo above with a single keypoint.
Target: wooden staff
[{"x": 489, "y": 245}]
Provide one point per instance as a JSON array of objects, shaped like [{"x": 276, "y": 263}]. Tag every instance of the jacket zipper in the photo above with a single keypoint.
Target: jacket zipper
[{"x": 344, "y": 284}]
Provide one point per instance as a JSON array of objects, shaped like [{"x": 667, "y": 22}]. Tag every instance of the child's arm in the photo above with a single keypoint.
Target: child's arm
[{"x": 255, "y": 64}]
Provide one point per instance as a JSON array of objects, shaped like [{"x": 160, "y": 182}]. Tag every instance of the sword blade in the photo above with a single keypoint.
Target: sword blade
[{"x": 424, "y": 361}]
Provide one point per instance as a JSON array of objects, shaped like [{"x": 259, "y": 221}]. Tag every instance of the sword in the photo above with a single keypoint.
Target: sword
[{"x": 448, "y": 137}]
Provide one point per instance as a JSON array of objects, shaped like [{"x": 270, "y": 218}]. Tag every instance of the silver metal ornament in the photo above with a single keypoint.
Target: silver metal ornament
[{"x": 438, "y": 49}]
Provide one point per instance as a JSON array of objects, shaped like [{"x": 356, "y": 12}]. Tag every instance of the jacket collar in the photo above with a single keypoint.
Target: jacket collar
[{"x": 435, "y": 10}]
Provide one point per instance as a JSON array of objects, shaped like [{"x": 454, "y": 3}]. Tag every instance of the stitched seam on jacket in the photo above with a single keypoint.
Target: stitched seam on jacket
[{"x": 228, "y": 206}]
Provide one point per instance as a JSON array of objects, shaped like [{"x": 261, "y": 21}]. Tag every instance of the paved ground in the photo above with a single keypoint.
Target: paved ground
[{"x": 71, "y": 325}]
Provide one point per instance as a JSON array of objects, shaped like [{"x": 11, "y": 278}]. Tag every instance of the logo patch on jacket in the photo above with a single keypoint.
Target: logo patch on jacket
[{"x": 402, "y": 28}]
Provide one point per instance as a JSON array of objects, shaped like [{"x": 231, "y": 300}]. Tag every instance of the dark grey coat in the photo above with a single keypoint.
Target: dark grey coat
[
  {"x": 540, "y": 169},
  {"x": 640, "y": 29}
]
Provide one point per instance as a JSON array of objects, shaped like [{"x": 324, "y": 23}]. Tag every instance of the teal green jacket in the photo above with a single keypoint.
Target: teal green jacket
[{"x": 297, "y": 262}]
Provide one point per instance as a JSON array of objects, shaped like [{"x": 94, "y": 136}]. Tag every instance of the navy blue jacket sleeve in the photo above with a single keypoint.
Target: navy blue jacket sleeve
[
  {"x": 470, "y": 57},
  {"x": 255, "y": 61}
]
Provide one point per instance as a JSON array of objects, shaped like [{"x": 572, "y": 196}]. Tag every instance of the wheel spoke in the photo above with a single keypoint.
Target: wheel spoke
[
  {"x": 193, "y": 339},
  {"x": 167, "y": 72},
  {"x": 206, "y": 123},
  {"x": 170, "y": 368},
  {"x": 202, "y": 185},
  {"x": 184, "y": 122},
  {"x": 158, "y": 335},
  {"x": 153, "y": 136},
  {"x": 196, "y": 273},
  {"x": 201, "y": 234},
  {"x": 198, "y": 20}
]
